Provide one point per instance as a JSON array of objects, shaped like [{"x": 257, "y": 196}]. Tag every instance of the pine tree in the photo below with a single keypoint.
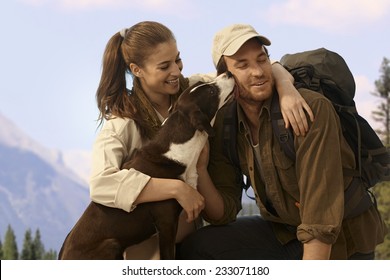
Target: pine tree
[
  {"x": 10, "y": 248},
  {"x": 28, "y": 248},
  {"x": 1, "y": 250},
  {"x": 382, "y": 114},
  {"x": 50, "y": 255},
  {"x": 382, "y": 193},
  {"x": 39, "y": 249}
]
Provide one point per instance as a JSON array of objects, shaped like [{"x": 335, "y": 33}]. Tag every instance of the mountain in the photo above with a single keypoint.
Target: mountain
[{"x": 37, "y": 190}]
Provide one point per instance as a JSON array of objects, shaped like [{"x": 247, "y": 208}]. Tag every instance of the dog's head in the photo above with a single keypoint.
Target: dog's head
[{"x": 201, "y": 102}]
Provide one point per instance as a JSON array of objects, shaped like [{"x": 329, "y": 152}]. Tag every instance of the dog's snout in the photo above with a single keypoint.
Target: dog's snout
[{"x": 229, "y": 74}]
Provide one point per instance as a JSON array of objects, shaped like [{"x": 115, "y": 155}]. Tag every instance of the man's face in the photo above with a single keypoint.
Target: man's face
[{"x": 252, "y": 70}]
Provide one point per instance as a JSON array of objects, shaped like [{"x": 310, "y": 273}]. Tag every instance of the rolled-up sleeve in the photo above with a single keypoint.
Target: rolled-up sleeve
[{"x": 109, "y": 185}]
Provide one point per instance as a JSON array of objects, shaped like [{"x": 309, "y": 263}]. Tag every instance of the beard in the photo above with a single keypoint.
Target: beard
[{"x": 255, "y": 94}]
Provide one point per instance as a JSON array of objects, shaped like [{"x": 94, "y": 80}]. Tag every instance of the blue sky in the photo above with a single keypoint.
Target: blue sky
[{"x": 51, "y": 50}]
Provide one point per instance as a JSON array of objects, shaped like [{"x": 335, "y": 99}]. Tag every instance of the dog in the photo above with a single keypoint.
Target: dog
[{"x": 104, "y": 233}]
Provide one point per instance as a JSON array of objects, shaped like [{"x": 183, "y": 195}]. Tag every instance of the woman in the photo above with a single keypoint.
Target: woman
[{"x": 148, "y": 52}]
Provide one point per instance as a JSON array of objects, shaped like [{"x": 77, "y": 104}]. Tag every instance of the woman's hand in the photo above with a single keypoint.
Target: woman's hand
[
  {"x": 292, "y": 104},
  {"x": 158, "y": 189},
  {"x": 191, "y": 201},
  {"x": 293, "y": 108}
]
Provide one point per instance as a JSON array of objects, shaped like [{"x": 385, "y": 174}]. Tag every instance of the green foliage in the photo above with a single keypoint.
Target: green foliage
[
  {"x": 33, "y": 249},
  {"x": 382, "y": 193},
  {"x": 10, "y": 248},
  {"x": 39, "y": 249},
  {"x": 382, "y": 114},
  {"x": 28, "y": 250},
  {"x": 49, "y": 255},
  {"x": 1, "y": 250}
]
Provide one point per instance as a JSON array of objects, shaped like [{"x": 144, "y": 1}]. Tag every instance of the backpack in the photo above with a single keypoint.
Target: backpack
[{"x": 326, "y": 72}]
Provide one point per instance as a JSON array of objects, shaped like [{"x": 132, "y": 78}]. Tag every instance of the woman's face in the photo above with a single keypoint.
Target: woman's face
[{"x": 161, "y": 71}]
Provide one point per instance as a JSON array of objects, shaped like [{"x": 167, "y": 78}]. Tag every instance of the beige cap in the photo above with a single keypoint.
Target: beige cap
[{"x": 228, "y": 40}]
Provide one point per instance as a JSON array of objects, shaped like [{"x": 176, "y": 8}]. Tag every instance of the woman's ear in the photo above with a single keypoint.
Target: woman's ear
[{"x": 135, "y": 69}]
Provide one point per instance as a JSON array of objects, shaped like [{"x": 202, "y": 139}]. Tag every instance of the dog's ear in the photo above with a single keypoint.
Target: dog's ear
[{"x": 201, "y": 122}]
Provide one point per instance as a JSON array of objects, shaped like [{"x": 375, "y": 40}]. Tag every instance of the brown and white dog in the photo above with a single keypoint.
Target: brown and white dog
[{"x": 104, "y": 232}]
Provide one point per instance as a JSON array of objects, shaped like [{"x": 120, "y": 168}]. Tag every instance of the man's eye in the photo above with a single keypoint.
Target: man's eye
[{"x": 242, "y": 66}]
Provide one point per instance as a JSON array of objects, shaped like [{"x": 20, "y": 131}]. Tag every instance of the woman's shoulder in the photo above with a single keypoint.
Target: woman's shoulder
[
  {"x": 123, "y": 128},
  {"x": 118, "y": 124}
]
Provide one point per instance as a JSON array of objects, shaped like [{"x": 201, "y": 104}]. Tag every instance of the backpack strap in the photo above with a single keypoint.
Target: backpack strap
[
  {"x": 229, "y": 141},
  {"x": 229, "y": 138},
  {"x": 284, "y": 135}
]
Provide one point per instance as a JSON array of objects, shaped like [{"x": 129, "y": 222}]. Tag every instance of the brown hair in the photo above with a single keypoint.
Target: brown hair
[{"x": 112, "y": 96}]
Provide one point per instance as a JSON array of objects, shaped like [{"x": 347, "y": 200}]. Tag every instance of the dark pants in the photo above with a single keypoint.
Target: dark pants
[{"x": 248, "y": 238}]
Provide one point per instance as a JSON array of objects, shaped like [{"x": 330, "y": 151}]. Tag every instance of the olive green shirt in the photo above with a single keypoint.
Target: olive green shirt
[{"x": 307, "y": 194}]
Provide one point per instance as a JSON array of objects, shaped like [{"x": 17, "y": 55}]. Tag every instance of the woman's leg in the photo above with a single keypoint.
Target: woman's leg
[{"x": 248, "y": 237}]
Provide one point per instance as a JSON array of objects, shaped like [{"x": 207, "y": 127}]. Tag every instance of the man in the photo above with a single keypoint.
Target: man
[{"x": 302, "y": 202}]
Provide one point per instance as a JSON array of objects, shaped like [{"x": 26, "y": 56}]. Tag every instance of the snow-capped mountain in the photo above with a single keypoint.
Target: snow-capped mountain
[{"x": 37, "y": 190}]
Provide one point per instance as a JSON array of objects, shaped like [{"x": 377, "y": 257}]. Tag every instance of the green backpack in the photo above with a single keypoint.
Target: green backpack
[{"x": 326, "y": 72}]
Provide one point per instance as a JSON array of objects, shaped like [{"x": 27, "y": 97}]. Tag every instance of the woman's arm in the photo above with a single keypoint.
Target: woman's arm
[
  {"x": 292, "y": 104},
  {"x": 124, "y": 189},
  {"x": 158, "y": 189}
]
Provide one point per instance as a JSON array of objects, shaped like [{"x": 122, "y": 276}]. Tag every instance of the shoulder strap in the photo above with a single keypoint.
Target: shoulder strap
[
  {"x": 230, "y": 125},
  {"x": 284, "y": 135}
]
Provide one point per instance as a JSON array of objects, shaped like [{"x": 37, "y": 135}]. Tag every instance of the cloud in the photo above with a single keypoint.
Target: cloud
[
  {"x": 330, "y": 15},
  {"x": 161, "y": 6}
]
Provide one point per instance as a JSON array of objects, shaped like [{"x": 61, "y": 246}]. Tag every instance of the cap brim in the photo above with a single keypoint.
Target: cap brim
[{"x": 236, "y": 44}]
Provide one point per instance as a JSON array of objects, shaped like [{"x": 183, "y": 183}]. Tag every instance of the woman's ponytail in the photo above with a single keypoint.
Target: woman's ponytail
[{"x": 112, "y": 93}]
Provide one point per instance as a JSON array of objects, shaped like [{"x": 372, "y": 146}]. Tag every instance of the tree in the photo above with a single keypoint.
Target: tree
[
  {"x": 382, "y": 114},
  {"x": 50, "y": 255},
  {"x": 10, "y": 248},
  {"x": 32, "y": 249},
  {"x": 28, "y": 248},
  {"x": 382, "y": 193},
  {"x": 39, "y": 249},
  {"x": 1, "y": 250}
]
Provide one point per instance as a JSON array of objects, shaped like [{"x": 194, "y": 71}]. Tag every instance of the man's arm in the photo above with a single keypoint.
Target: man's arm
[{"x": 316, "y": 250}]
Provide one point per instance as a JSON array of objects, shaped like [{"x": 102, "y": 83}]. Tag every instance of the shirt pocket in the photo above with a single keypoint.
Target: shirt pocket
[{"x": 285, "y": 169}]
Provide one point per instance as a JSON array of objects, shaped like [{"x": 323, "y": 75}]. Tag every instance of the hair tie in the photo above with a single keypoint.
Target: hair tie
[{"x": 123, "y": 32}]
